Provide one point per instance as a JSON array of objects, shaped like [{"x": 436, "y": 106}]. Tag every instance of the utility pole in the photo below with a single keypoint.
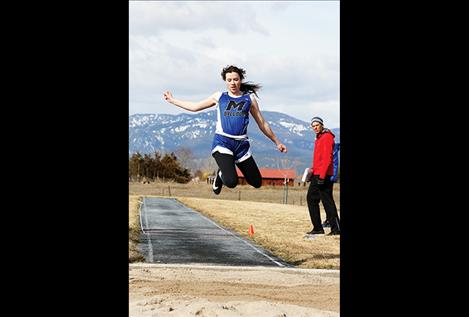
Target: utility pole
[{"x": 285, "y": 189}]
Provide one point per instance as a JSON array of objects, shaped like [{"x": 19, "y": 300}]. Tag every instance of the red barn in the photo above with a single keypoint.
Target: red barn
[{"x": 271, "y": 177}]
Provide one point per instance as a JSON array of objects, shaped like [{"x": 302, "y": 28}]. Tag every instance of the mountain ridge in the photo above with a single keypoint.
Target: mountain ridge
[{"x": 165, "y": 133}]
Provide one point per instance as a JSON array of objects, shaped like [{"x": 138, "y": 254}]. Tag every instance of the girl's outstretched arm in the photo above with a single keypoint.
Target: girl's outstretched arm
[
  {"x": 264, "y": 125},
  {"x": 192, "y": 106}
]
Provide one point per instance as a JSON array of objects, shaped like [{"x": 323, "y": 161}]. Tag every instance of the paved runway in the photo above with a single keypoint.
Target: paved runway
[{"x": 175, "y": 234}]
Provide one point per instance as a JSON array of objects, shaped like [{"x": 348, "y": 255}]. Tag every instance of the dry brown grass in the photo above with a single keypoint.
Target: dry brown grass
[
  {"x": 134, "y": 229},
  {"x": 277, "y": 227},
  {"x": 268, "y": 194}
]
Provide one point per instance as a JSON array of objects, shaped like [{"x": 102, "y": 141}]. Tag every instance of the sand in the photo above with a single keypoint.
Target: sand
[{"x": 197, "y": 290}]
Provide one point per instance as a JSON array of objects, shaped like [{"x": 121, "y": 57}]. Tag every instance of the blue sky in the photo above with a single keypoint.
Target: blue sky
[{"x": 290, "y": 48}]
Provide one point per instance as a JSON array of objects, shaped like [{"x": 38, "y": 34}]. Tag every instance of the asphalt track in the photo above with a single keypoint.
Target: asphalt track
[{"x": 172, "y": 233}]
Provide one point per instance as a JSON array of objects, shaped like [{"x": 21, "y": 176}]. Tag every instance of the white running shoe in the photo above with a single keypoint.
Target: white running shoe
[{"x": 217, "y": 183}]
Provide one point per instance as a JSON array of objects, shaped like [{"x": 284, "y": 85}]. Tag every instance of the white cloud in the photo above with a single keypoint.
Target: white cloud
[
  {"x": 206, "y": 42},
  {"x": 328, "y": 110},
  {"x": 280, "y": 5},
  {"x": 156, "y": 17}
]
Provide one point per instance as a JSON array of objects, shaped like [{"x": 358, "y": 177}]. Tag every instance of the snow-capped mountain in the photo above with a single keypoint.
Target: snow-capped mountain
[{"x": 163, "y": 133}]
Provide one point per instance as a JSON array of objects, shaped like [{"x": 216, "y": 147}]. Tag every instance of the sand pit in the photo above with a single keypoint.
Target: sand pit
[{"x": 196, "y": 290}]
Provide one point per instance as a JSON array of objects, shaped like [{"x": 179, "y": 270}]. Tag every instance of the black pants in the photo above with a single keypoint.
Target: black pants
[
  {"x": 317, "y": 193},
  {"x": 228, "y": 171}
]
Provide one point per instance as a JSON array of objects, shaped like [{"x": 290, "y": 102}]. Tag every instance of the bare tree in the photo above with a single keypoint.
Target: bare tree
[
  {"x": 186, "y": 158},
  {"x": 209, "y": 165}
]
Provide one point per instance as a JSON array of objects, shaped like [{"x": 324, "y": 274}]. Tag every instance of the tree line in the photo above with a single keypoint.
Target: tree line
[{"x": 152, "y": 167}]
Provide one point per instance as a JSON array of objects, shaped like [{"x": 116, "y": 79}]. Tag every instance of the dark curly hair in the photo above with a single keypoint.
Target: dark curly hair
[{"x": 247, "y": 87}]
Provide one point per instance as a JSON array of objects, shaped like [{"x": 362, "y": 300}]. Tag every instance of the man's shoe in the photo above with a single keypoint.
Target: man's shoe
[
  {"x": 326, "y": 224},
  {"x": 217, "y": 183},
  {"x": 334, "y": 233},
  {"x": 315, "y": 232}
]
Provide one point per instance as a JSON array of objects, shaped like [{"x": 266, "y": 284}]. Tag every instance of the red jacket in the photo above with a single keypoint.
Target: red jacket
[{"x": 322, "y": 156}]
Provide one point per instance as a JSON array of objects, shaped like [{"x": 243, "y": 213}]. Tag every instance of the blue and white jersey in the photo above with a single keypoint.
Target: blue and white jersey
[{"x": 233, "y": 116}]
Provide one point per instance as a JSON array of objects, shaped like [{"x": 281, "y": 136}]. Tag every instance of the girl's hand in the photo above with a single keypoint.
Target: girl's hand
[
  {"x": 167, "y": 96},
  {"x": 282, "y": 148}
]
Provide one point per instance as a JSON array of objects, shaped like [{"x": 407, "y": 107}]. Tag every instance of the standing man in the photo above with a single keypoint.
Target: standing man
[{"x": 320, "y": 188}]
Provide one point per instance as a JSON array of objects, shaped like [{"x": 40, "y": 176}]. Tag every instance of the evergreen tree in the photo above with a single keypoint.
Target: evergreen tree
[
  {"x": 135, "y": 166},
  {"x": 148, "y": 167}
]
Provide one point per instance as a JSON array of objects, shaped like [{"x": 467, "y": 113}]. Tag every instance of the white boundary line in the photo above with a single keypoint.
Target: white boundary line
[
  {"x": 150, "y": 245},
  {"x": 257, "y": 250},
  {"x": 140, "y": 214}
]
